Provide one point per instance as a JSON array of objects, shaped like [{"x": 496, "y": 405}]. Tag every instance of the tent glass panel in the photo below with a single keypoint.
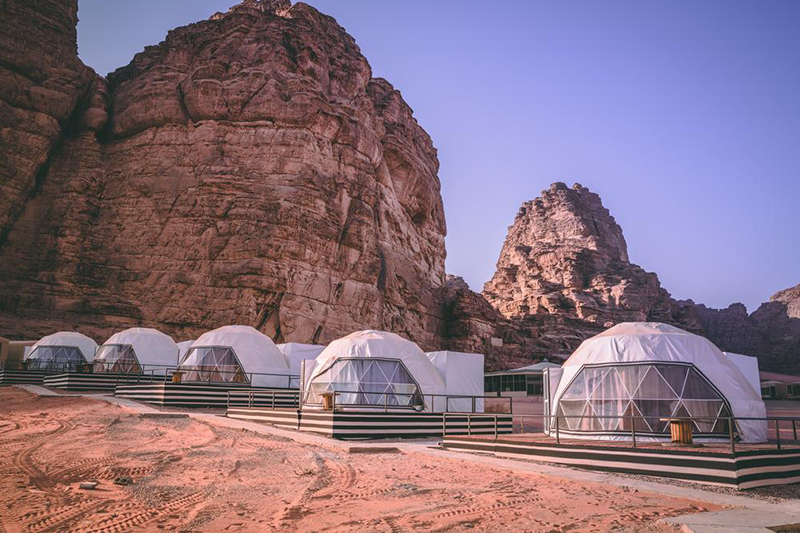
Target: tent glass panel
[
  {"x": 55, "y": 358},
  {"x": 116, "y": 358},
  {"x": 367, "y": 381},
  {"x": 212, "y": 364},
  {"x": 651, "y": 393}
]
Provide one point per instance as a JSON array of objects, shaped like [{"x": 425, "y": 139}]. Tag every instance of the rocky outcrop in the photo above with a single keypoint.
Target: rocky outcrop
[
  {"x": 564, "y": 275},
  {"x": 772, "y": 332},
  {"x": 249, "y": 169},
  {"x": 42, "y": 84},
  {"x": 565, "y": 260}
]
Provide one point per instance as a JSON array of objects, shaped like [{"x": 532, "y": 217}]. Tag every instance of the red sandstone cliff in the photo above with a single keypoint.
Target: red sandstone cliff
[{"x": 248, "y": 169}]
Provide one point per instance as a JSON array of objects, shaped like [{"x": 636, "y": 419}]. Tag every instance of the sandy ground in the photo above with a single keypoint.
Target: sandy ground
[{"x": 193, "y": 476}]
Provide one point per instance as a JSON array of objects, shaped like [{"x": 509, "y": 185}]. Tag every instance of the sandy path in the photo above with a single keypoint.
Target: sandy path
[{"x": 192, "y": 476}]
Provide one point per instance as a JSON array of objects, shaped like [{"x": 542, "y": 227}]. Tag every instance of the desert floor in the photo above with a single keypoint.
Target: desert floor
[{"x": 190, "y": 475}]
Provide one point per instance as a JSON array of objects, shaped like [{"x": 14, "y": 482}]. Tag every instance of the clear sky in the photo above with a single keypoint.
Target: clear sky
[{"x": 684, "y": 116}]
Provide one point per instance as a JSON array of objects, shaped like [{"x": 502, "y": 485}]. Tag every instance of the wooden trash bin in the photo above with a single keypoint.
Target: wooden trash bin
[
  {"x": 680, "y": 430},
  {"x": 86, "y": 368},
  {"x": 176, "y": 376},
  {"x": 327, "y": 402}
]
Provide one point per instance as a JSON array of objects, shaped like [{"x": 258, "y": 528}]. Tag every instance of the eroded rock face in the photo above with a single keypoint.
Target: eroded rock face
[
  {"x": 247, "y": 170},
  {"x": 42, "y": 83},
  {"x": 772, "y": 332},
  {"x": 565, "y": 256}
]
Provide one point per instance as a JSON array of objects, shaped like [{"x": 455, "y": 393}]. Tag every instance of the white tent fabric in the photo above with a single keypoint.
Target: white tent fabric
[
  {"x": 462, "y": 374},
  {"x": 650, "y": 342},
  {"x": 154, "y": 350},
  {"x": 295, "y": 353},
  {"x": 260, "y": 359},
  {"x": 183, "y": 347},
  {"x": 748, "y": 366},
  {"x": 378, "y": 345},
  {"x": 73, "y": 339}
]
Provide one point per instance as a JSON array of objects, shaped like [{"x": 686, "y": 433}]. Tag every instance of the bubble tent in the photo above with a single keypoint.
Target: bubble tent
[
  {"x": 65, "y": 350},
  {"x": 636, "y": 375}
]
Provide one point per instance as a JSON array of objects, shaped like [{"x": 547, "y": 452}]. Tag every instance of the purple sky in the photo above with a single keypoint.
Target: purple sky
[{"x": 683, "y": 115}]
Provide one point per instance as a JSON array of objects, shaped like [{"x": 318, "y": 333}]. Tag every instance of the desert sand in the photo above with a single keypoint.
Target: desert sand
[{"x": 190, "y": 475}]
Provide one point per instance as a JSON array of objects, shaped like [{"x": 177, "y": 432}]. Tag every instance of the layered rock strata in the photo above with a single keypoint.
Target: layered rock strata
[{"x": 249, "y": 169}]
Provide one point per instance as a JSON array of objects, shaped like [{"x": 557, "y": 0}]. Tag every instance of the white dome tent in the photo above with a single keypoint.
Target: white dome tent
[
  {"x": 236, "y": 354},
  {"x": 137, "y": 350},
  {"x": 653, "y": 371},
  {"x": 62, "y": 351},
  {"x": 375, "y": 369}
]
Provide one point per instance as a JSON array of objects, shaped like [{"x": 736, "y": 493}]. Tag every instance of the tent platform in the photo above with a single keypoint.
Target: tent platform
[
  {"x": 375, "y": 424},
  {"x": 90, "y": 381},
  {"x": 750, "y": 466},
  {"x": 22, "y": 377},
  {"x": 208, "y": 395}
]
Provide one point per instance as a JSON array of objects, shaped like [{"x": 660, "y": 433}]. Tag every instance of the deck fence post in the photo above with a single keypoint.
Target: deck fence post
[
  {"x": 511, "y": 404},
  {"x": 730, "y": 435},
  {"x": 473, "y": 404},
  {"x": 633, "y": 431},
  {"x": 558, "y": 437},
  {"x": 469, "y": 424},
  {"x": 495, "y": 427},
  {"x": 386, "y": 402},
  {"x": 794, "y": 428},
  {"x": 778, "y": 432}
]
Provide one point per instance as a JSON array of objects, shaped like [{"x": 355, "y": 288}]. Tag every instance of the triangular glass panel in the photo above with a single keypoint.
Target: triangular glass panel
[
  {"x": 674, "y": 375},
  {"x": 697, "y": 388},
  {"x": 653, "y": 387}
]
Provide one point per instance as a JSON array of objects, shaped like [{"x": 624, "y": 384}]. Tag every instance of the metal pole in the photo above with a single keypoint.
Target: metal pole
[
  {"x": 633, "y": 431},
  {"x": 510, "y": 404},
  {"x": 778, "y": 432},
  {"x": 558, "y": 437},
  {"x": 385, "y": 402},
  {"x": 469, "y": 424},
  {"x": 495, "y": 427},
  {"x": 794, "y": 428},
  {"x": 730, "y": 435},
  {"x": 473, "y": 404}
]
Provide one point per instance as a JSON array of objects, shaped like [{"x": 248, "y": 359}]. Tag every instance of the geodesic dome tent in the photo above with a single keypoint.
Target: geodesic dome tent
[
  {"x": 375, "y": 369},
  {"x": 137, "y": 350},
  {"x": 236, "y": 354},
  {"x": 642, "y": 373},
  {"x": 62, "y": 351}
]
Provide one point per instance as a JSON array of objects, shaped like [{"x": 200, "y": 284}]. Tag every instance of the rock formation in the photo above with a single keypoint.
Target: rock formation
[
  {"x": 565, "y": 257},
  {"x": 772, "y": 332},
  {"x": 249, "y": 169},
  {"x": 564, "y": 275}
]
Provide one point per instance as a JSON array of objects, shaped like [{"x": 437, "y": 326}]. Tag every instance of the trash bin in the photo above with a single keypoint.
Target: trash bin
[
  {"x": 176, "y": 376},
  {"x": 327, "y": 402}
]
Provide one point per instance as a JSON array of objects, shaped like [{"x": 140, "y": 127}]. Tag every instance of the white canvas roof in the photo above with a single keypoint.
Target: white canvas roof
[
  {"x": 382, "y": 345},
  {"x": 256, "y": 352},
  {"x": 86, "y": 345},
  {"x": 462, "y": 374},
  {"x": 151, "y": 346},
  {"x": 296, "y": 352},
  {"x": 654, "y": 342}
]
